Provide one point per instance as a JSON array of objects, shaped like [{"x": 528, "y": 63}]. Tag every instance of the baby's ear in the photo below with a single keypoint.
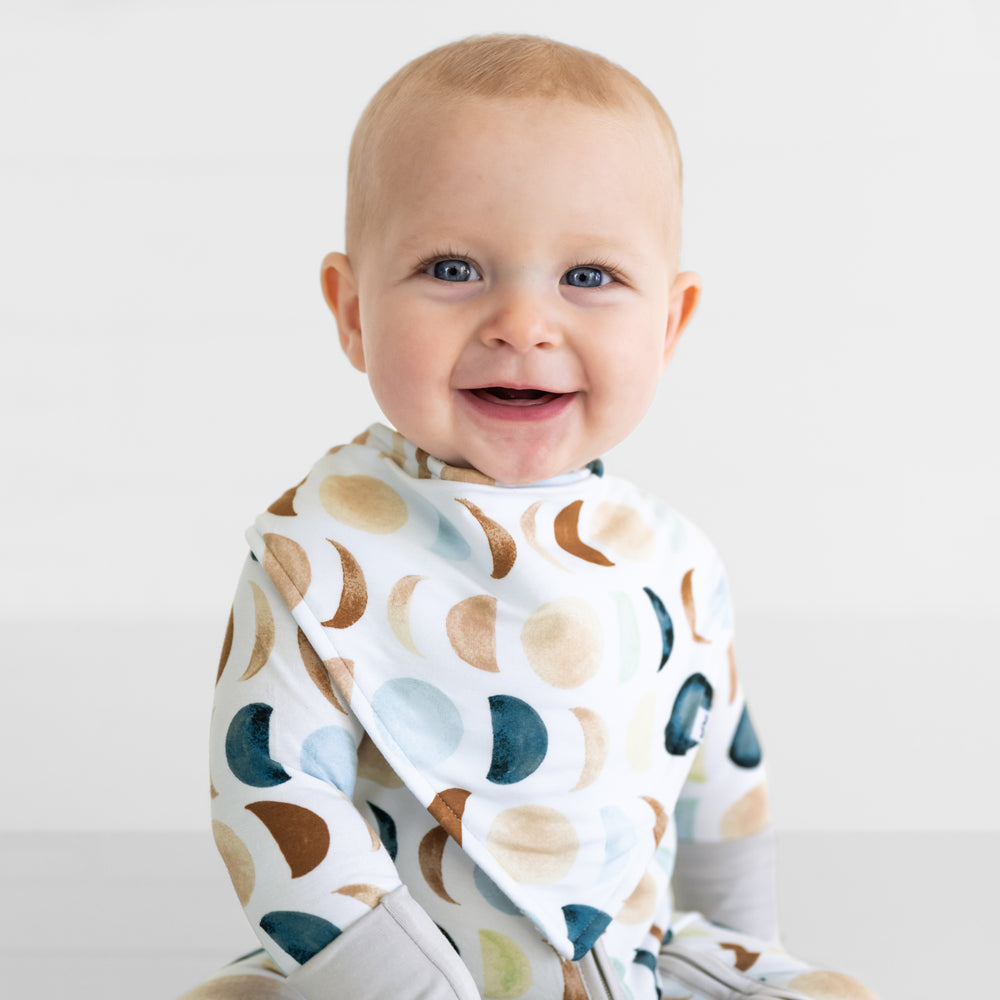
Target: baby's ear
[
  {"x": 340, "y": 289},
  {"x": 684, "y": 295}
]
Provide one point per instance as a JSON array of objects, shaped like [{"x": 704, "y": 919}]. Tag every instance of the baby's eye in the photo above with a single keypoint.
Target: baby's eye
[
  {"x": 453, "y": 270},
  {"x": 586, "y": 277}
]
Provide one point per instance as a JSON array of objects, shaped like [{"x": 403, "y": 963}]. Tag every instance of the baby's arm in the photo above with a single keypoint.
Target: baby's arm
[
  {"x": 725, "y": 865},
  {"x": 317, "y": 884}
]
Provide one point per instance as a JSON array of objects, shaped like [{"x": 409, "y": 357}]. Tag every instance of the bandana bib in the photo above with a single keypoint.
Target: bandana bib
[{"x": 537, "y": 664}]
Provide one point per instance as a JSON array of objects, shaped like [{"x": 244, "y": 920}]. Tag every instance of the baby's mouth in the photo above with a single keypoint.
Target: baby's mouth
[{"x": 514, "y": 397}]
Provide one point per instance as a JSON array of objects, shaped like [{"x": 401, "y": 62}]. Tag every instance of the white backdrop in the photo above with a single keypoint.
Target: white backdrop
[{"x": 170, "y": 178}]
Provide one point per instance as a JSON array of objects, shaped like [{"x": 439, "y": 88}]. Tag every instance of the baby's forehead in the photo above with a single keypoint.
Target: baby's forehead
[{"x": 409, "y": 122}]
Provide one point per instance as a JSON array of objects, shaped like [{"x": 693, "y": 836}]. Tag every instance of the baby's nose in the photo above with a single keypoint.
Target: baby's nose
[{"x": 523, "y": 320}]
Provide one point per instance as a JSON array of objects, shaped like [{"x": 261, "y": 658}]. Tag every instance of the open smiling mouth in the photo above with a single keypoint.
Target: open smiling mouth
[{"x": 499, "y": 394}]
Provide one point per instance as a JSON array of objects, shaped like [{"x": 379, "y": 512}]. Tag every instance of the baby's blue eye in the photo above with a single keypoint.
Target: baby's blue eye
[
  {"x": 586, "y": 277},
  {"x": 453, "y": 270}
]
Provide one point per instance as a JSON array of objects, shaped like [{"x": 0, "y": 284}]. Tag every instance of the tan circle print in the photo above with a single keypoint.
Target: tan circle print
[
  {"x": 237, "y": 859},
  {"x": 563, "y": 642},
  {"x": 471, "y": 627},
  {"x": 623, "y": 530},
  {"x": 535, "y": 845},
  {"x": 746, "y": 816},
  {"x": 639, "y": 907},
  {"x": 363, "y": 502},
  {"x": 831, "y": 986}
]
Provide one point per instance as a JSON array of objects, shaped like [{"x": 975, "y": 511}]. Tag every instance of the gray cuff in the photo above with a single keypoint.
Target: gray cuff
[
  {"x": 394, "y": 951},
  {"x": 732, "y": 882}
]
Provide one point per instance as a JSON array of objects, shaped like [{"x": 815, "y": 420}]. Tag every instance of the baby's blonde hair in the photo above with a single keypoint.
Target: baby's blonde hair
[{"x": 493, "y": 66}]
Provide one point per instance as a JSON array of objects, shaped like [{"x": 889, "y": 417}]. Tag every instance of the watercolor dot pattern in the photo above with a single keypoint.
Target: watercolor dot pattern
[{"x": 492, "y": 697}]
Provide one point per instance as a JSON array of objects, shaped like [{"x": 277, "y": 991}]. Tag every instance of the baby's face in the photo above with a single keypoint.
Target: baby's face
[{"x": 515, "y": 302}]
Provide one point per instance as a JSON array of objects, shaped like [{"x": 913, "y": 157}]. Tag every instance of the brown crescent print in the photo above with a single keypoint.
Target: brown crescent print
[
  {"x": 502, "y": 546},
  {"x": 567, "y": 527},
  {"x": 660, "y": 827},
  {"x": 263, "y": 639},
  {"x": 430, "y": 855},
  {"x": 227, "y": 645},
  {"x": 284, "y": 505},
  {"x": 687, "y": 596},
  {"x": 353, "y": 594},
  {"x": 302, "y": 836},
  {"x": 317, "y": 671}
]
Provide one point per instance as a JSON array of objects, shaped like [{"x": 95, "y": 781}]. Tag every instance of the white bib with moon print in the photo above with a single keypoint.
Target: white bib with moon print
[{"x": 537, "y": 664}]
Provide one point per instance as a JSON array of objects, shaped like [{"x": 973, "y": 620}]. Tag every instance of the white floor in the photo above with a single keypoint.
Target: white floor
[{"x": 145, "y": 916}]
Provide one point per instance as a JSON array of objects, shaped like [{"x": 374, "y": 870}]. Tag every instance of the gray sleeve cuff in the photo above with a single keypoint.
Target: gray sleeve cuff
[
  {"x": 394, "y": 951},
  {"x": 732, "y": 882}
]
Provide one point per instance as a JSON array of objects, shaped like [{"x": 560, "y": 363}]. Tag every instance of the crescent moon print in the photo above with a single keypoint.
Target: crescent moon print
[
  {"x": 744, "y": 959},
  {"x": 584, "y": 925},
  {"x": 502, "y": 546},
  {"x": 301, "y": 935},
  {"x": 430, "y": 855},
  {"x": 471, "y": 629},
  {"x": 286, "y": 563},
  {"x": 354, "y": 592},
  {"x": 520, "y": 740},
  {"x": 237, "y": 859},
  {"x": 573, "y": 988},
  {"x": 531, "y": 535},
  {"x": 227, "y": 646},
  {"x": 370, "y": 895},
  {"x": 566, "y": 525},
  {"x": 687, "y": 596},
  {"x": 302, "y": 836},
  {"x": 744, "y": 751},
  {"x": 248, "y": 748},
  {"x": 666, "y": 626},
  {"x": 263, "y": 640},
  {"x": 595, "y": 743},
  {"x": 660, "y": 826},
  {"x": 386, "y": 829},
  {"x": 399, "y": 611},
  {"x": 284, "y": 506},
  {"x": 318, "y": 672},
  {"x": 506, "y": 969}
]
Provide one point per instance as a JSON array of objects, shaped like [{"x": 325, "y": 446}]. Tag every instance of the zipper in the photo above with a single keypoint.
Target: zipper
[{"x": 599, "y": 978}]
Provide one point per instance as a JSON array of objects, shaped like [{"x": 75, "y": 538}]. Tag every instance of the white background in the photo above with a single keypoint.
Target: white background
[{"x": 171, "y": 175}]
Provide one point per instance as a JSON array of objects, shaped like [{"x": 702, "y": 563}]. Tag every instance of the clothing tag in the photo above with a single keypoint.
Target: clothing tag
[{"x": 700, "y": 724}]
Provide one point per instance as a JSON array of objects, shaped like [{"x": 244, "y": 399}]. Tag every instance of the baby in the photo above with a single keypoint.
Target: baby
[{"x": 478, "y": 730}]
